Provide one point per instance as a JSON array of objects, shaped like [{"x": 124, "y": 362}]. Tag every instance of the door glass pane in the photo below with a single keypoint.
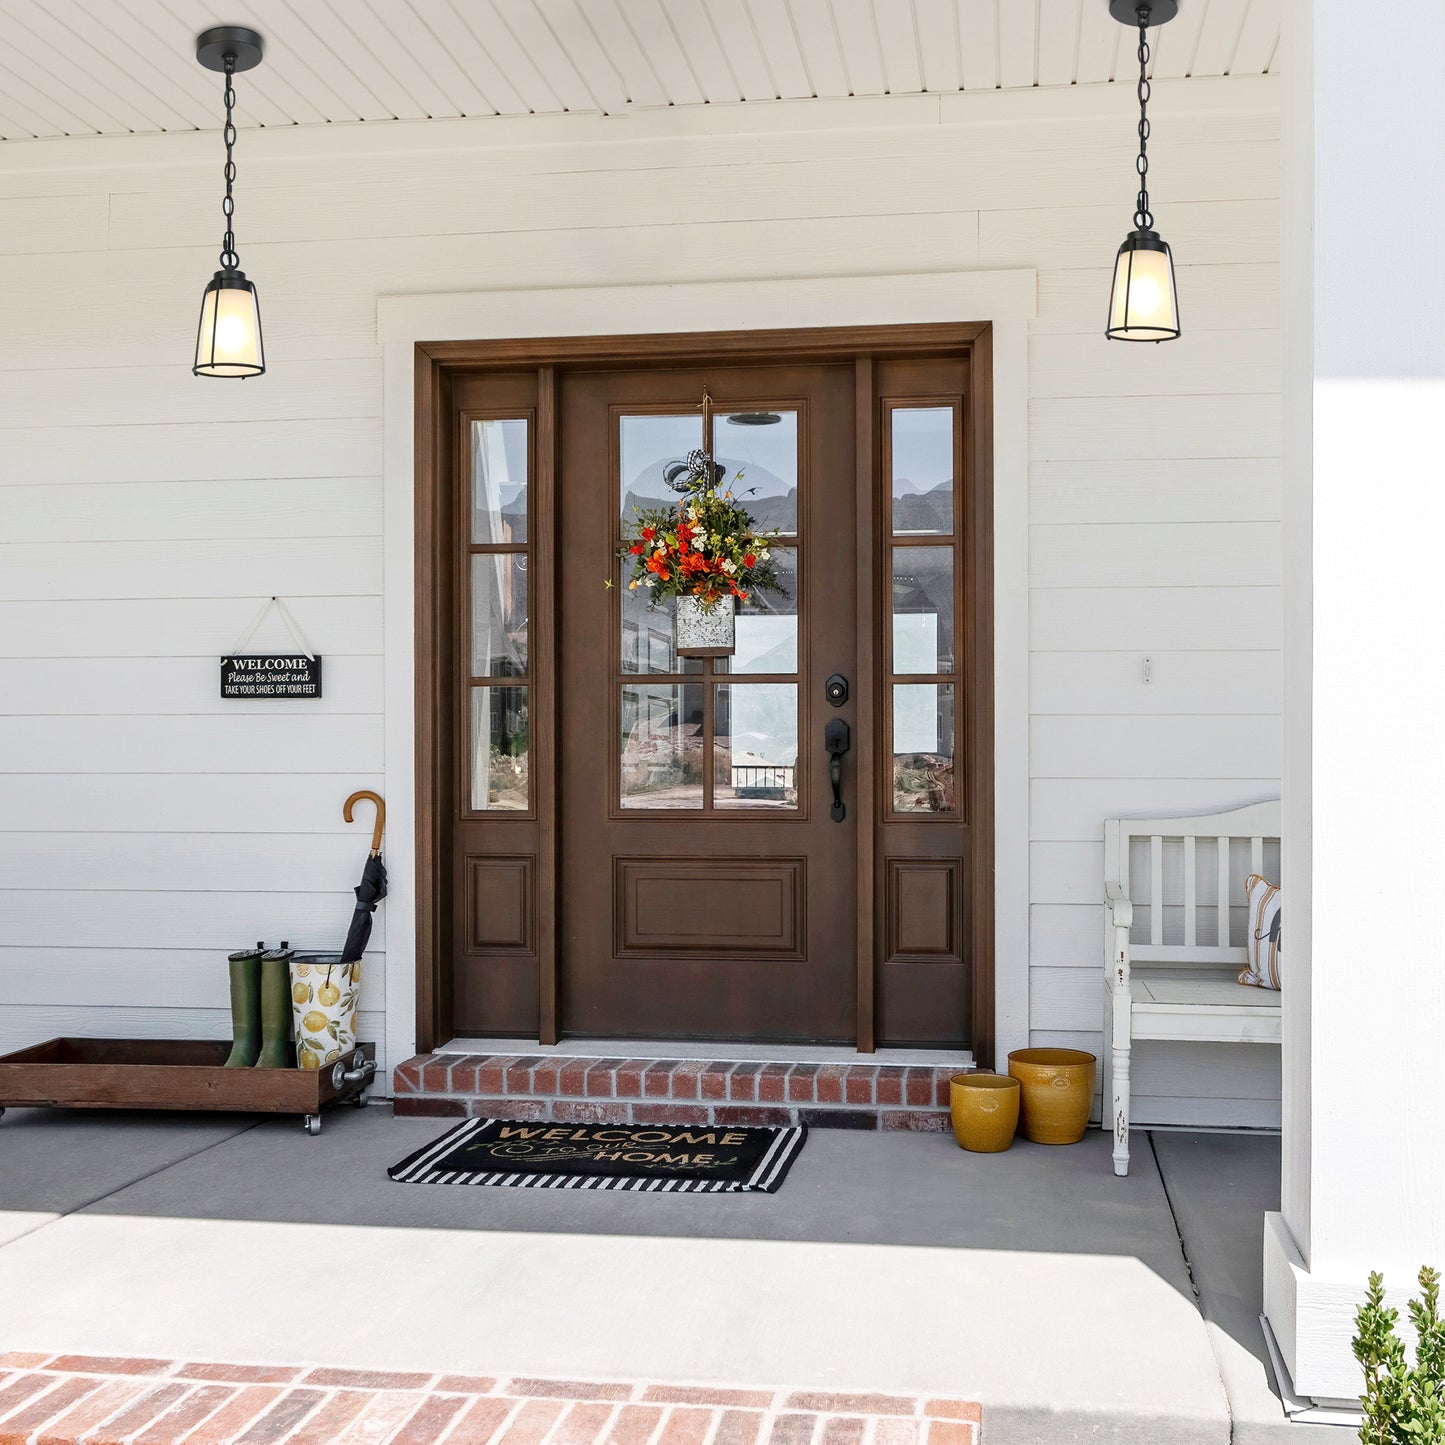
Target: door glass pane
[
  {"x": 767, "y": 624},
  {"x": 922, "y": 609},
  {"x": 923, "y": 780},
  {"x": 763, "y": 446},
  {"x": 661, "y": 746},
  {"x": 648, "y": 632},
  {"x": 755, "y": 745},
  {"x": 499, "y": 481},
  {"x": 653, "y": 450},
  {"x": 922, "y": 469},
  {"x": 500, "y": 749},
  {"x": 499, "y": 614}
]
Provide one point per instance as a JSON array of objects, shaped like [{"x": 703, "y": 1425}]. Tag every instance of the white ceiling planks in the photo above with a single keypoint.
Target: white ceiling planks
[
  {"x": 100, "y": 67},
  {"x": 820, "y": 47},
  {"x": 777, "y": 38},
  {"x": 1219, "y": 36},
  {"x": 1101, "y": 41},
  {"x": 1058, "y": 41},
  {"x": 937, "y": 22},
  {"x": 1258, "y": 39}
]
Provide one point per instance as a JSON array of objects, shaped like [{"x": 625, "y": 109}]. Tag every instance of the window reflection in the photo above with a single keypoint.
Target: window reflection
[
  {"x": 763, "y": 446},
  {"x": 499, "y": 481},
  {"x": 767, "y": 624},
  {"x": 501, "y": 749},
  {"x": 662, "y": 746},
  {"x": 922, "y": 447},
  {"x": 651, "y": 448},
  {"x": 923, "y": 747},
  {"x": 499, "y": 614},
  {"x": 755, "y": 745},
  {"x": 922, "y": 609}
]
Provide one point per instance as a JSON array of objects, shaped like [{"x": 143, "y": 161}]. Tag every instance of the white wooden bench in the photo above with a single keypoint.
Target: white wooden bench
[{"x": 1179, "y": 884}]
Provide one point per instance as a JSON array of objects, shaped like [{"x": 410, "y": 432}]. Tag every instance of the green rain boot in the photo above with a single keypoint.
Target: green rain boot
[
  {"x": 245, "y": 1007},
  {"x": 275, "y": 1009}
]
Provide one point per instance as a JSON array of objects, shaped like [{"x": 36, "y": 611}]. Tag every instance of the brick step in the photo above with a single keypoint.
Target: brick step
[
  {"x": 586, "y": 1090},
  {"x": 69, "y": 1399}
]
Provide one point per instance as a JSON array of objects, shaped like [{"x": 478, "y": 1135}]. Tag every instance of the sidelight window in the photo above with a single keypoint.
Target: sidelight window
[
  {"x": 924, "y": 445},
  {"x": 498, "y": 556}
]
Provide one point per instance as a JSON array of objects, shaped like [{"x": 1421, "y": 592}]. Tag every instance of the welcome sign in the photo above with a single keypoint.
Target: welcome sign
[
  {"x": 292, "y": 673},
  {"x": 271, "y": 675},
  {"x": 712, "y": 1159}
]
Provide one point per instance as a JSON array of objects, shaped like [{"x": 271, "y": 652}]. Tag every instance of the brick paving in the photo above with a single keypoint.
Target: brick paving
[
  {"x": 584, "y": 1090},
  {"x": 69, "y": 1399}
]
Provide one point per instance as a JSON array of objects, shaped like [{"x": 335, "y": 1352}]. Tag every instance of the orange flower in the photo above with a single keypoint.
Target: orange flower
[
  {"x": 750, "y": 560},
  {"x": 636, "y": 549},
  {"x": 648, "y": 533}
]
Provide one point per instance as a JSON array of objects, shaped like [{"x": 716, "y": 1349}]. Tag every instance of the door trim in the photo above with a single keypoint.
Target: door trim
[
  {"x": 435, "y": 463},
  {"x": 1007, "y": 299}
]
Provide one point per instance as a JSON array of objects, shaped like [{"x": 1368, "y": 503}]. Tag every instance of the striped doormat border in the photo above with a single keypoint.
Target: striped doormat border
[{"x": 652, "y": 1159}]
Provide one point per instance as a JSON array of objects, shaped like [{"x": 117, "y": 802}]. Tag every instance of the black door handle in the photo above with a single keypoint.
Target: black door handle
[{"x": 837, "y": 739}]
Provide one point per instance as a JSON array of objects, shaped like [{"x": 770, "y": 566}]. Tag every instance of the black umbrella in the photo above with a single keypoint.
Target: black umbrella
[{"x": 372, "y": 888}]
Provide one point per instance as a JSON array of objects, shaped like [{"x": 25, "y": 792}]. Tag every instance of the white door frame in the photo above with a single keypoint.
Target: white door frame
[{"x": 1005, "y": 299}]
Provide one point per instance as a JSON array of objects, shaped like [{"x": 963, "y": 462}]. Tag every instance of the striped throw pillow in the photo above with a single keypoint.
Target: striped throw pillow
[{"x": 1262, "y": 942}]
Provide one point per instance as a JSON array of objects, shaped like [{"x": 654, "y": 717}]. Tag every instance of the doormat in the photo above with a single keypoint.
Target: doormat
[{"x": 666, "y": 1159}]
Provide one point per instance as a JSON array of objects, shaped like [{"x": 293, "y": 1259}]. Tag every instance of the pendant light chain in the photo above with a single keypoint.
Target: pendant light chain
[
  {"x": 229, "y": 260},
  {"x": 1143, "y": 220}
]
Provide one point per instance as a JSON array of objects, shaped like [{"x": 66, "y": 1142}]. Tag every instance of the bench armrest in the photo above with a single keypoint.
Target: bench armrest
[{"x": 1121, "y": 910}]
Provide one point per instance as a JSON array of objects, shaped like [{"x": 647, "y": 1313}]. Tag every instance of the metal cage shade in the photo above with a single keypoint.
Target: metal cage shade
[
  {"x": 1144, "y": 305},
  {"x": 228, "y": 340}
]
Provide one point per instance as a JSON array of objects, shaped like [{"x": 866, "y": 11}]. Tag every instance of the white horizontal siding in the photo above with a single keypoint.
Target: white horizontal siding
[
  {"x": 314, "y": 743},
  {"x": 109, "y": 978},
  {"x": 1190, "y": 489},
  {"x": 221, "y": 920},
  {"x": 1198, "y": 683},
  {"x": 23, "y": 1025},
  {"x": 212, "y": 803},
  {"x": 175, "y": 629},
  {"x": 146, "y": 827},
  {"x": 151, "y": 511},
  {"x": 177, "y": 687},
  {"x": 1150, "y": 619}
]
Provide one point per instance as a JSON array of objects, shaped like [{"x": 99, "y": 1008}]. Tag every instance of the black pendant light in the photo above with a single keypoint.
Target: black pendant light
[
  {"x": 228, "y": 341},
  {"x": 1144, "y": 304}
]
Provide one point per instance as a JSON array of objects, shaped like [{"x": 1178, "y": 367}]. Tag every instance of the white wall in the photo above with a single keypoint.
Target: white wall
[{"x": 144, "y": 513}]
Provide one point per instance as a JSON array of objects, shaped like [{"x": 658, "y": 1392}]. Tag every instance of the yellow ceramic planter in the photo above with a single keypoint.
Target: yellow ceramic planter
[
  {"x": 985, "y": 1111},
  {"x": 1057, "y": 1087}
]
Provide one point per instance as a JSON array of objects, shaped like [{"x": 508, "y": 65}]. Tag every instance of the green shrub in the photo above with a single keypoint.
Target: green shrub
[{"x": 1404, "y": 1404}]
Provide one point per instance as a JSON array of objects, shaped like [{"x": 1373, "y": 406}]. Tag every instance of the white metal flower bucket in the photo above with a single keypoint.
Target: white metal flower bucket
[
  {"x": 323, "y": 1007},
  {"x": 706, "y": 632}
]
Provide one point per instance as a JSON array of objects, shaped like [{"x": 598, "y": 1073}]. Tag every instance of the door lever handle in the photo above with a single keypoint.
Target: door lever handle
[{"x": 837, "y": 739}]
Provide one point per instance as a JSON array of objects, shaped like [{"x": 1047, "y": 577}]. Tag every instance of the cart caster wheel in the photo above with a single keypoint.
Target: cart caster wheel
[
  {"x": 312, "y": 1123},
  {"x": 361, "y": 1100}
]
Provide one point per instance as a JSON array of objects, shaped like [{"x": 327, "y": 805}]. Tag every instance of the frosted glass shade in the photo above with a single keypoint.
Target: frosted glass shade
[
  {"x": 1144, "y": 305},
  {"x": 228, "y": 341}
]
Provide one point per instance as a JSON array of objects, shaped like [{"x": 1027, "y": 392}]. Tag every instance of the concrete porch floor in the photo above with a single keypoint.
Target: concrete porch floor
[{"x": 1074, "y": 1305}]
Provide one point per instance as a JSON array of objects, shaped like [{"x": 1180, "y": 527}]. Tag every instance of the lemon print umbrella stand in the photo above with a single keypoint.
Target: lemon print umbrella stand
[{"x": 324, "y": 987}]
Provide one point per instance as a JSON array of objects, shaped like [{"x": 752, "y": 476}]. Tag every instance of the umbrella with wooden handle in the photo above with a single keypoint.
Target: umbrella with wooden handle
[{"x": 372, "y": 888}]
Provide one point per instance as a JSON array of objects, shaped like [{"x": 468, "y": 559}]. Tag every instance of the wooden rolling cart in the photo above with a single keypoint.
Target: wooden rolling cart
[{"x": 185, "y": 1074}]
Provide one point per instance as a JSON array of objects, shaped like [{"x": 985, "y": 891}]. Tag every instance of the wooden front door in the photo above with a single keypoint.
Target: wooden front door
[
  {"x": 705, "y": 887},
  {"x": 619, "y": 842}
]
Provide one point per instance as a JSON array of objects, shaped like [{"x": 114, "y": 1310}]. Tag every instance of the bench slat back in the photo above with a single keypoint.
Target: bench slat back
[{"x": 1172, "y": 866}]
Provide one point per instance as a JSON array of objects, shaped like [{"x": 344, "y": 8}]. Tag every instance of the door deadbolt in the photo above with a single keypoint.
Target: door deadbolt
[{"x": 836, "y": 689}]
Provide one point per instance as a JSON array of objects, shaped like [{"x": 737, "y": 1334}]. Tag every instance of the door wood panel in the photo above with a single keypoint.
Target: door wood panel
[{"x": 745, "y": 907}]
